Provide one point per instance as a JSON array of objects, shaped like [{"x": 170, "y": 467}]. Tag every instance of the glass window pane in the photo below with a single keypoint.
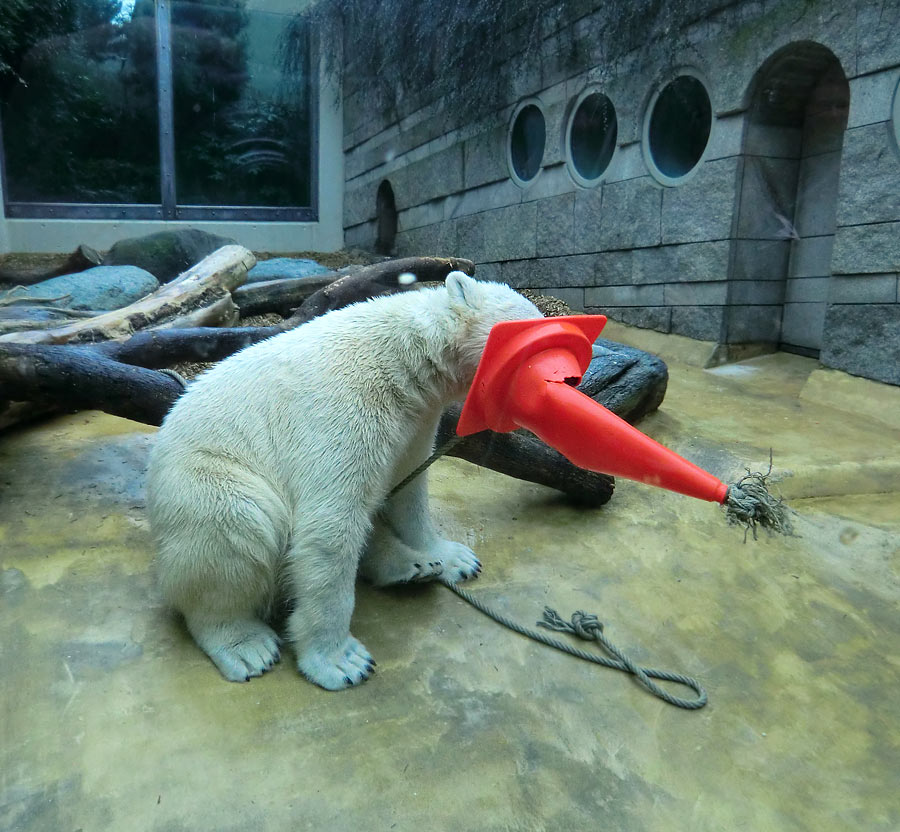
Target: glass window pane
[
  {"x": 680, "y": 126},
  {"x": 592, "y": 138},
  {"x": 241, "y": 87},
  {"x": 526, "y": 142},
  {"x": 78, "y": 102}
]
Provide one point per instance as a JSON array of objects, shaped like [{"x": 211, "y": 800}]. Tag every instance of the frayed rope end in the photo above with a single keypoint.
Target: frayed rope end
[{"x": 750, "y": 504}]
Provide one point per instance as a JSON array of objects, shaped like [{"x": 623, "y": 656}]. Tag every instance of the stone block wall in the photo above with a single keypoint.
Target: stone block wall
[{"x": 735, "y": 254}]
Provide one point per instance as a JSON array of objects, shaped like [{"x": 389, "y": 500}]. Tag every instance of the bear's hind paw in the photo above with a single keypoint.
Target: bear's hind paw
[{"x": 241, "y": 650}]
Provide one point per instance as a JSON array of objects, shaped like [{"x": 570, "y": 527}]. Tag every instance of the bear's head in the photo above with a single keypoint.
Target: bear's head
[{"x": 479, "y": 305}]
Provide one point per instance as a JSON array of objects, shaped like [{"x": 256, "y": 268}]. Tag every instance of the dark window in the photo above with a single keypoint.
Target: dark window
[
  {"x": 679, "y": 126},
  {"x": 78, "y": 90},
  {"x": 242, "y": 123},
  {"x": 526, "y": 142},
  {"x": 592, "y": 136},
  {"x": 156, "y": 108}
]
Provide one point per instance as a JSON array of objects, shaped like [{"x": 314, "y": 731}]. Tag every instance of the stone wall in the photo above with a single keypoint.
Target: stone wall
[{"x": 786, "y": 234}]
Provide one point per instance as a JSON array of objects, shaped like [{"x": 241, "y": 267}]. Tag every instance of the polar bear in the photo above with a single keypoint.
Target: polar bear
[{"x": 269, "y": 477}]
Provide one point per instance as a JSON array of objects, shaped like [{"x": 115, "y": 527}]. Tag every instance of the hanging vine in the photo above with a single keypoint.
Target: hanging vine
[{"x": 399, "y": 55}]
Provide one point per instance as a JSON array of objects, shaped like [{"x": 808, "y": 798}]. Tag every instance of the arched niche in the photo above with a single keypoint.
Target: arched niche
[{"x": 798, "y": 103}]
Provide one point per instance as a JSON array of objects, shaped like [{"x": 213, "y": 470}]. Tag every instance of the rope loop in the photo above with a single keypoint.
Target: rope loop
[{"x": 587, "y": 626}]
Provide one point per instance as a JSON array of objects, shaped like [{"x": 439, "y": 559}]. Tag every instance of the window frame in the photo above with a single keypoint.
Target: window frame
[
  {"x": 168, "y": 207},
  {"x": 536, "y": 102},
  {"x": 647, "y": 152},
  {"x": 576, "y": 175}
]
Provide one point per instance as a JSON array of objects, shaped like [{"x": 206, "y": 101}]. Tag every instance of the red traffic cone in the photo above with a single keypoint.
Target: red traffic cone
[{"x": 526, "y": 378}]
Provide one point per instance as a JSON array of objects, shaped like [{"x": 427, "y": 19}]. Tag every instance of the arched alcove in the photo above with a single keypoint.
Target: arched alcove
[
  {"x": 385, "y": 218},
  {"x": 793, "y": 137}
]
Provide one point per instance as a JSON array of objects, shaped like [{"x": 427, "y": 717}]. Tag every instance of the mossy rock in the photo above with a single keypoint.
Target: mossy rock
[{"x": 165, "y": 254}]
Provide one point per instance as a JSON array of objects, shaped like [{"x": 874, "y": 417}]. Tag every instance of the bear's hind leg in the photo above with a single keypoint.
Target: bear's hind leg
[
  {"x": 241, "y": 647},
  {"x": 219, "y": 554},
  {"x": 324, "y": 577},
  {"x": 223, "y": 614}
]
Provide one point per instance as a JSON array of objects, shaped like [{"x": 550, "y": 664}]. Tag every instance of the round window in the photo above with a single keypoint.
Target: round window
[
  {"x": 527, "y": 139},
  {"x": 677, "y": 128},
  {"x": 591, "y": 137}
]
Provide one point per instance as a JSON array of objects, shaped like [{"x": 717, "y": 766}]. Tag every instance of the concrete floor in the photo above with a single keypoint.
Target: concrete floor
[{"x": 113, "y": 720}]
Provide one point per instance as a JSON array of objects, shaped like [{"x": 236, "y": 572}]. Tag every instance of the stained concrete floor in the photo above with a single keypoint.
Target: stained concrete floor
[{"x": 112, "y": 720}]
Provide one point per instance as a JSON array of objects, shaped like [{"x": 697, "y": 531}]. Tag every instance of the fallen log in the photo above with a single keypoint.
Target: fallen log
[
  {"x": 77, "y": 378},
  {"x": 11, "y": 271},
  {"x": 159, "y": 347},
  {"x": 165, "y": 347},
  {"x": 522, "y": 455},
  {"x": 21, "y": 318},
  {"x": 281, "y": 296},
  {"x": 207, "y": 283},
  {"x": 284, "y": 296},
  {"x": 221, "y": 312}
]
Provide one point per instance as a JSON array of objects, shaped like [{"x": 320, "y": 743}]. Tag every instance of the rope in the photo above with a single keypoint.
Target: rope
[
  {"x": 749, "y": 504},
  {"x": 450, "y": 443},
  {"x": 586, "y": 626},
  {"x": 583, "y": 625},
  {"x": 175, "y": 375}
]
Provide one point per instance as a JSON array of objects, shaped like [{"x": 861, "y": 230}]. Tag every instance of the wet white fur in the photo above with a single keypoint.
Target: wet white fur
[{"x": 268, "y": 476}]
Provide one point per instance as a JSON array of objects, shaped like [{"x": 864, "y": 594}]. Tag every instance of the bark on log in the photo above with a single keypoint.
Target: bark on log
[
  {"x": 221, "y": 312},
  {"x": 205, "y": 284},
  {"x": 164, "y": 347},
  {"x": 76, "y": 378},
  {"x": 281, "y": 296}
]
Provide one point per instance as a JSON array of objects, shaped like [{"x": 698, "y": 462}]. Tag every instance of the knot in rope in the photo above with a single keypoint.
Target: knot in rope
[{"x": 585, "y": 625}]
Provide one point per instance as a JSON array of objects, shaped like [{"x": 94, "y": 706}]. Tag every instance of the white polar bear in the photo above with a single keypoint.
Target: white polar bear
[{"x": 268, "y": 477}]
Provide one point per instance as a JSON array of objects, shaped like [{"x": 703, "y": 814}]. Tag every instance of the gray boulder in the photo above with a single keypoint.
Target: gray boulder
[
  {"x": 99, "y": 289},
  {"x": 628, "y": 381},
  {"x": 281, "y": 268},
  {"x": 165, "y": 254}
]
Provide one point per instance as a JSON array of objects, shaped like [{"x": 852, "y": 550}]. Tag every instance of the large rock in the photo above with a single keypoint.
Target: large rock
[
  {"x": 628, "y": 381},
  {"x": 283, "y": 268},
  {"x": 99, "y": 289},
  {"x": 165, "y": 254}
]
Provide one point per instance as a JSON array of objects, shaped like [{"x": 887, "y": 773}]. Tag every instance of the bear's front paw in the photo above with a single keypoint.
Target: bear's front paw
[
  {"x": 459, "y": 562},
  {"x": 350, "y": 665}
]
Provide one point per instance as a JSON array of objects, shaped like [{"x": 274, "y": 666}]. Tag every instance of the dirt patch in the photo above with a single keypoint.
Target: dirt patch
[{"x": 550, "y": 306}]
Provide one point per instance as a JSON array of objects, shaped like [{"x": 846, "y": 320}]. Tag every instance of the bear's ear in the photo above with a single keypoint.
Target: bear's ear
[{"x": 462, "y": 289}]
